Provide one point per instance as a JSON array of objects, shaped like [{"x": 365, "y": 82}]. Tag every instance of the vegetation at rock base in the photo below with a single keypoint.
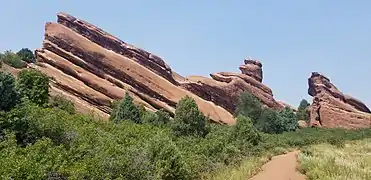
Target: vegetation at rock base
[
  {"x": 188, "y": 119},
  {"x": 302, "y": 113},
  {"x": 12, "y": 59},
  {"x": 266, "y": 120},
  {"x": 61, "y": 103},
  {"x": 126, "y": 110},
  {"x": 44, "y": 138},
  {"x": 26, "y": 55}
]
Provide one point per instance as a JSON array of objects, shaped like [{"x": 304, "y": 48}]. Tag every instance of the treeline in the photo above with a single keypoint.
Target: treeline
[{"x": 42, "y": 137}]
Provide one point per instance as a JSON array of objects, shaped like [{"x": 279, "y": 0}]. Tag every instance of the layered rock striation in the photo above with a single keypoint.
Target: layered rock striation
[
  {"x": 333, "y": 109},
  {"x": 93, "y": 68}
]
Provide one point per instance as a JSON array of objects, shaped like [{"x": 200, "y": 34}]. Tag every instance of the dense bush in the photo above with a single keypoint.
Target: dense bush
[
  {"x": 33, "y": 86},
  {"x": 265, "y": 119},
  {"x": 62, "y": 103},
  {"x": 249, "y": 106},
  {"x": 158, "y": 118},
  {"x": 8, "y": 95},
  {"x": 269, "y": 122},
  {"x": 52, "y": 141},
  {"x": 12, "y": 59},
  {"x": 287, "y": 120},
  {"x": 245, "y": 131},
  {"x": 126, "y": 110},
  {"x": 188, "y": 119},
  {"x": 26, "y": 55}
]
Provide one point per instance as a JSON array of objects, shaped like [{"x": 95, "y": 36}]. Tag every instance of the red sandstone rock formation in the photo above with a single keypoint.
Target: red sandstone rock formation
[
  {"x": 333, "y": 109},
  {"x": 92, "y": 68}
]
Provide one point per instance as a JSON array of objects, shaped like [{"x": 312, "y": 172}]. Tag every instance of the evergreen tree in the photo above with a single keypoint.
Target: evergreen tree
[
  {"x": 288, "y": 120},
  {"x": 302, "y": 113},
  {"x": 8, "y": 95},
  {"x": 249, "y": 106},
  {"x": 26, "y": 55},
  {"x": 126, "y": 110},
  {"x": 188, "y": 119}
]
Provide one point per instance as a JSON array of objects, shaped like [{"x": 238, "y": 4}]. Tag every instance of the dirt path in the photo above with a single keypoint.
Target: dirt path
[{"x": 282, "y": 167}]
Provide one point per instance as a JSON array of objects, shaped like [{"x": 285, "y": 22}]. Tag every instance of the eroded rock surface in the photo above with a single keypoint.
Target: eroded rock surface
[
  {"x": 333, "y": 109},
  {"x": 93, "y": 68}
]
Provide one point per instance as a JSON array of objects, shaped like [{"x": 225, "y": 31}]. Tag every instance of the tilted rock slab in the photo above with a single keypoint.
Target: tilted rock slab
[
  {"x": 333, "y": 109},
  {"x": 92, "y": 68},
  {"x": 96, "y": 68}
]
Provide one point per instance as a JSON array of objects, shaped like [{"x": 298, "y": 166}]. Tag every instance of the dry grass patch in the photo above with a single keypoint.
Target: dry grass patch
[{"x": 351, "y": 160}]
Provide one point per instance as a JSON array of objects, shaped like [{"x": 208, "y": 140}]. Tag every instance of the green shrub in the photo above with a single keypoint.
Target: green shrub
[
  {"x": 245, "y": 131},
  {"x": 269, "y": 122},
  {"x": 249, "y": 106},
  {"x": 287, "y": 120},
  {"x": 61, "y": 103},
  {"x": 33, "y": 86},
  {"x": 265, "y": 119},
  {"x": 157, "y": 118},
  {"x": 8, "y": 95},
  {"x": 12, "y": 59},
  {"x": 26, "y": 55},
  {"x": 126, "y": 110},
  {"x": 277, "y": 122},
  {"x": 189, "y": 120},
  {"x": 167, "y": 159},
  {"x": 30, "y": 123}
]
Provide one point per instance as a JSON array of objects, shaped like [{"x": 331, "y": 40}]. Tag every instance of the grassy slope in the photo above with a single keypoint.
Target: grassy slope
[{"x": 325, "y": 162}]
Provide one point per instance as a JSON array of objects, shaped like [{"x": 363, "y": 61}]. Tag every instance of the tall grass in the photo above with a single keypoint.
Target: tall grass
[{"x": 350, "y": 161}]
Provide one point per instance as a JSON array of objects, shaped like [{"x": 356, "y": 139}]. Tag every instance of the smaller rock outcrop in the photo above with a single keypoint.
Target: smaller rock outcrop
[
  {"x": 333, "y": 109},
  {"x": 224, "y": 88}
]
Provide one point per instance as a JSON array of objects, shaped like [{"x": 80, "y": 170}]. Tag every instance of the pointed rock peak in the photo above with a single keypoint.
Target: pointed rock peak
[
  {"x": 317, "y": 82},
  {"x": 63, "y": 15}
]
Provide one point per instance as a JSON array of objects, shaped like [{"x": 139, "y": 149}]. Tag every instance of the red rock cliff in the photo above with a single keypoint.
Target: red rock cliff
[{"x": 333, "y": 109}]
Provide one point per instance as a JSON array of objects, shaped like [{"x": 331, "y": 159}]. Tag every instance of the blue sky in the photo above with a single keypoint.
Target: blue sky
[{"x": 197, "y": 37}]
